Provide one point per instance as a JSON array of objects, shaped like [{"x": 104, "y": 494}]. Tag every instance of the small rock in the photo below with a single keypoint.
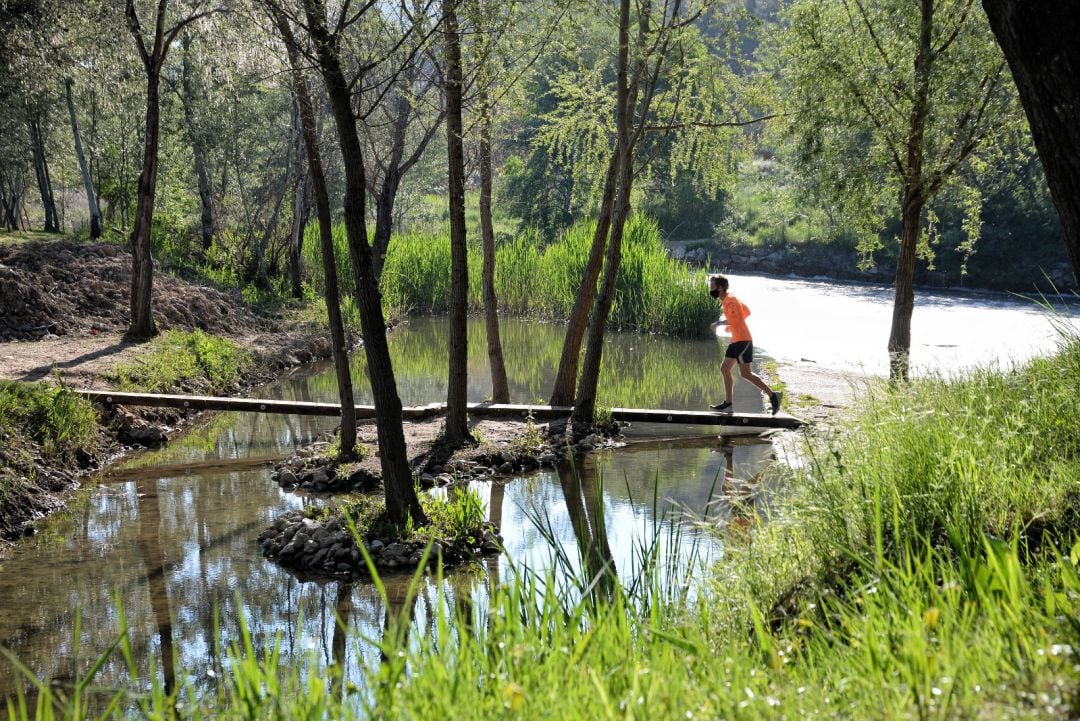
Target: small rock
[
  {"x": 506, "y": 467},
  {"x": 397, "y": 549}
]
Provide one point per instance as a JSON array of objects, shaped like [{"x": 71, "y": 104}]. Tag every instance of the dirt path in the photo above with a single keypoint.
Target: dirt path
[
  {"x": 816, "y": 393},
  {"x": 83, "y": 362},
  {"x": 80, "y": 362}
]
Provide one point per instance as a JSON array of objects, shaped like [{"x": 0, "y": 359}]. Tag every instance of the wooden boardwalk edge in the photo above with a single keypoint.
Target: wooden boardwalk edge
[{"x": 488, "y": 410}]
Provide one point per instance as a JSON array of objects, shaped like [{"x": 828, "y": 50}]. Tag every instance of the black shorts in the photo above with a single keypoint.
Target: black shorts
[{"x": 742, "y": 351}]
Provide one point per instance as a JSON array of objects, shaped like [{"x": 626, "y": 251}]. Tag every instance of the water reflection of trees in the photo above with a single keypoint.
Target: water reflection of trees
[
  {"x": 639, "y": 371},
  {"x": 585, "y": 506},
  {"x": 149, "y": 544},
  {"x": 176, "y": 543}
]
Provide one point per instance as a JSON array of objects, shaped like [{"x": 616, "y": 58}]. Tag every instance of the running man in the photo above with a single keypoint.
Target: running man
[{"x": 741, "y": 348}]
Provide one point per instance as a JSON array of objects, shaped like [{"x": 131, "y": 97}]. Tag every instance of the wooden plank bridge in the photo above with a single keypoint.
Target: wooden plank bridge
[{"x": 412, "y": 413}]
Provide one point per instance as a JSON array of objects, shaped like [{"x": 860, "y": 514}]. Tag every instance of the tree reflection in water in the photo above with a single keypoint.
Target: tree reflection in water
[
  {"x": 585, "y": 506},
  {"x": 149, "y": 544}
]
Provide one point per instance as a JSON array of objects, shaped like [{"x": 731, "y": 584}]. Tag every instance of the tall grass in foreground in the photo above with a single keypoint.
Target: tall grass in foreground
[
  {"x": 923, "y": 564},
  {"x": 654, "y": 293}
]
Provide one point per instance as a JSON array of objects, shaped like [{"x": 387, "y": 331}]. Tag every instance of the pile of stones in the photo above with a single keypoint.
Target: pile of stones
[
  {"x": 559, "y": 445},
  {"x": 310, "y": 469},
  {"x": 327, "y": 547}
]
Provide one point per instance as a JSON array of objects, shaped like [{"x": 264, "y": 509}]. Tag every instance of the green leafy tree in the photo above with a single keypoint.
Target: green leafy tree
[{"x": 888, "y": 100}]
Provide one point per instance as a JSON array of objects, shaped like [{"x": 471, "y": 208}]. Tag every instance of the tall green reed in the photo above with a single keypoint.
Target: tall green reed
[{"x": 654, "y": 293}]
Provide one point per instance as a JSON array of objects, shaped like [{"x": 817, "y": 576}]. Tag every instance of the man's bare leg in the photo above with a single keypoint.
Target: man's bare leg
[
  {"x": 729, "y": 380},
  {"x": 746, "y": 372}
]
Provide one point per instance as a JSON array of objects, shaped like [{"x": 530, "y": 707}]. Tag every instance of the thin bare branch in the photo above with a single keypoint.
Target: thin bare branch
[{"x": 669, "y": 127}]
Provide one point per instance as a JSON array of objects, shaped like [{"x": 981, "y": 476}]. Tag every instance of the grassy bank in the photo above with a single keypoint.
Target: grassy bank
[
  {"x": 188, "y": 361},
  {"x": 654, "y": 294},
  {"x": 49, "y": 434},
  {"x": 922, "y": 563},
  {"x": 41, "y": 427}
]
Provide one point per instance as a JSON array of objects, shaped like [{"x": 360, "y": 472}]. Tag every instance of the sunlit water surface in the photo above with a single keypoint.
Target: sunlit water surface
[{"x": 169, "y": 536}]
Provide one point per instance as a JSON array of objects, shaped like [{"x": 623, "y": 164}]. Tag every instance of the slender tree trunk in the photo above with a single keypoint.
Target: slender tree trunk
[
  {"x": 262, "y": 275},
  {"x": 391, "y": 181},
  {"x": 500, "y": 391},
  {"x": 88, "y": 183},
  {"x": 142, "y": 270},
  {"x": 904, "y": 299},
  {"x": 326, "y": 241},
  {"x": 1039, "y": 40},
  {"x": 41, "y": 170},
  {"x": 566, "y": 379},
  {"x": 401, "y": 499},
  {"x": 585, "y": 399},
  {"x": 913, "y": 202},
  {"x": 198, "y": 147},
  {"x": 301, "y": 212},
  {"x": 384, "y": 220},
  {"x": 457, "y": 428},
  {"x": 11, "y": 199}
]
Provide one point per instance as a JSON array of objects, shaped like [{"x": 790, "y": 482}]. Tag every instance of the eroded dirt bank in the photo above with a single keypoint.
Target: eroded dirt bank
[{"x": 63, "y": 307}]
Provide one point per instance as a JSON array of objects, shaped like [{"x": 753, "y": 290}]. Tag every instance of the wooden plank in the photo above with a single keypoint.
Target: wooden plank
[
  {"x": 706, "y": 418},
  {"x": 516, "y": 410},
  {"x": 489, "y": 410},
  {"x": 256, "y": 405}
]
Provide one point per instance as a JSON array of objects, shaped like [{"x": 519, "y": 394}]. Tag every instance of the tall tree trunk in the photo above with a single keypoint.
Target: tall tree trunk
[
  {"x": 562, "y": 393},
  {"x": 306, "y": 114},
  {"x": 457, "y": 428},
  {"x": 391, "y": 181},
  {"x": 500, "y": 391},
  {"x": 262, "y": 275},
  {"x": 88, "y": 183},
  {"x": 585, "y": 399},
  {"x": 913, "y": 202},
  {"x": 1039, "y": 40},
  {"x": 142, "y": 271},
  {"x": 301, "y": 212},
  {"x": 904, "y": 298},
  {"x": 198, "y": 146},
  {"x": 41, "y": 170},
  {"x": 11, "y": 199},
  {"x": 401, "y": 499},
  {"x": 397, "y": 165}
]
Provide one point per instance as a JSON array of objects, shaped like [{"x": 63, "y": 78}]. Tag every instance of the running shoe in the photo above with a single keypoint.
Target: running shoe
[
  {"x": 724, "y": 407},
  {"x": 774, "y": 401}
]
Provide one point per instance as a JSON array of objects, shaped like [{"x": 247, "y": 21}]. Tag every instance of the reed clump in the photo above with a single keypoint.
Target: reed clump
[{"x": 538, "y": 279}]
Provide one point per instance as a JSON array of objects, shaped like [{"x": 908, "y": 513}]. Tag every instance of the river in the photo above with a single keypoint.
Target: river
[{"x": 166, "y": 540}]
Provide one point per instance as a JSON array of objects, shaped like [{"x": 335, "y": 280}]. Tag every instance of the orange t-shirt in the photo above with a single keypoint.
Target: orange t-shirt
[{"x": 735, "y": 314}]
